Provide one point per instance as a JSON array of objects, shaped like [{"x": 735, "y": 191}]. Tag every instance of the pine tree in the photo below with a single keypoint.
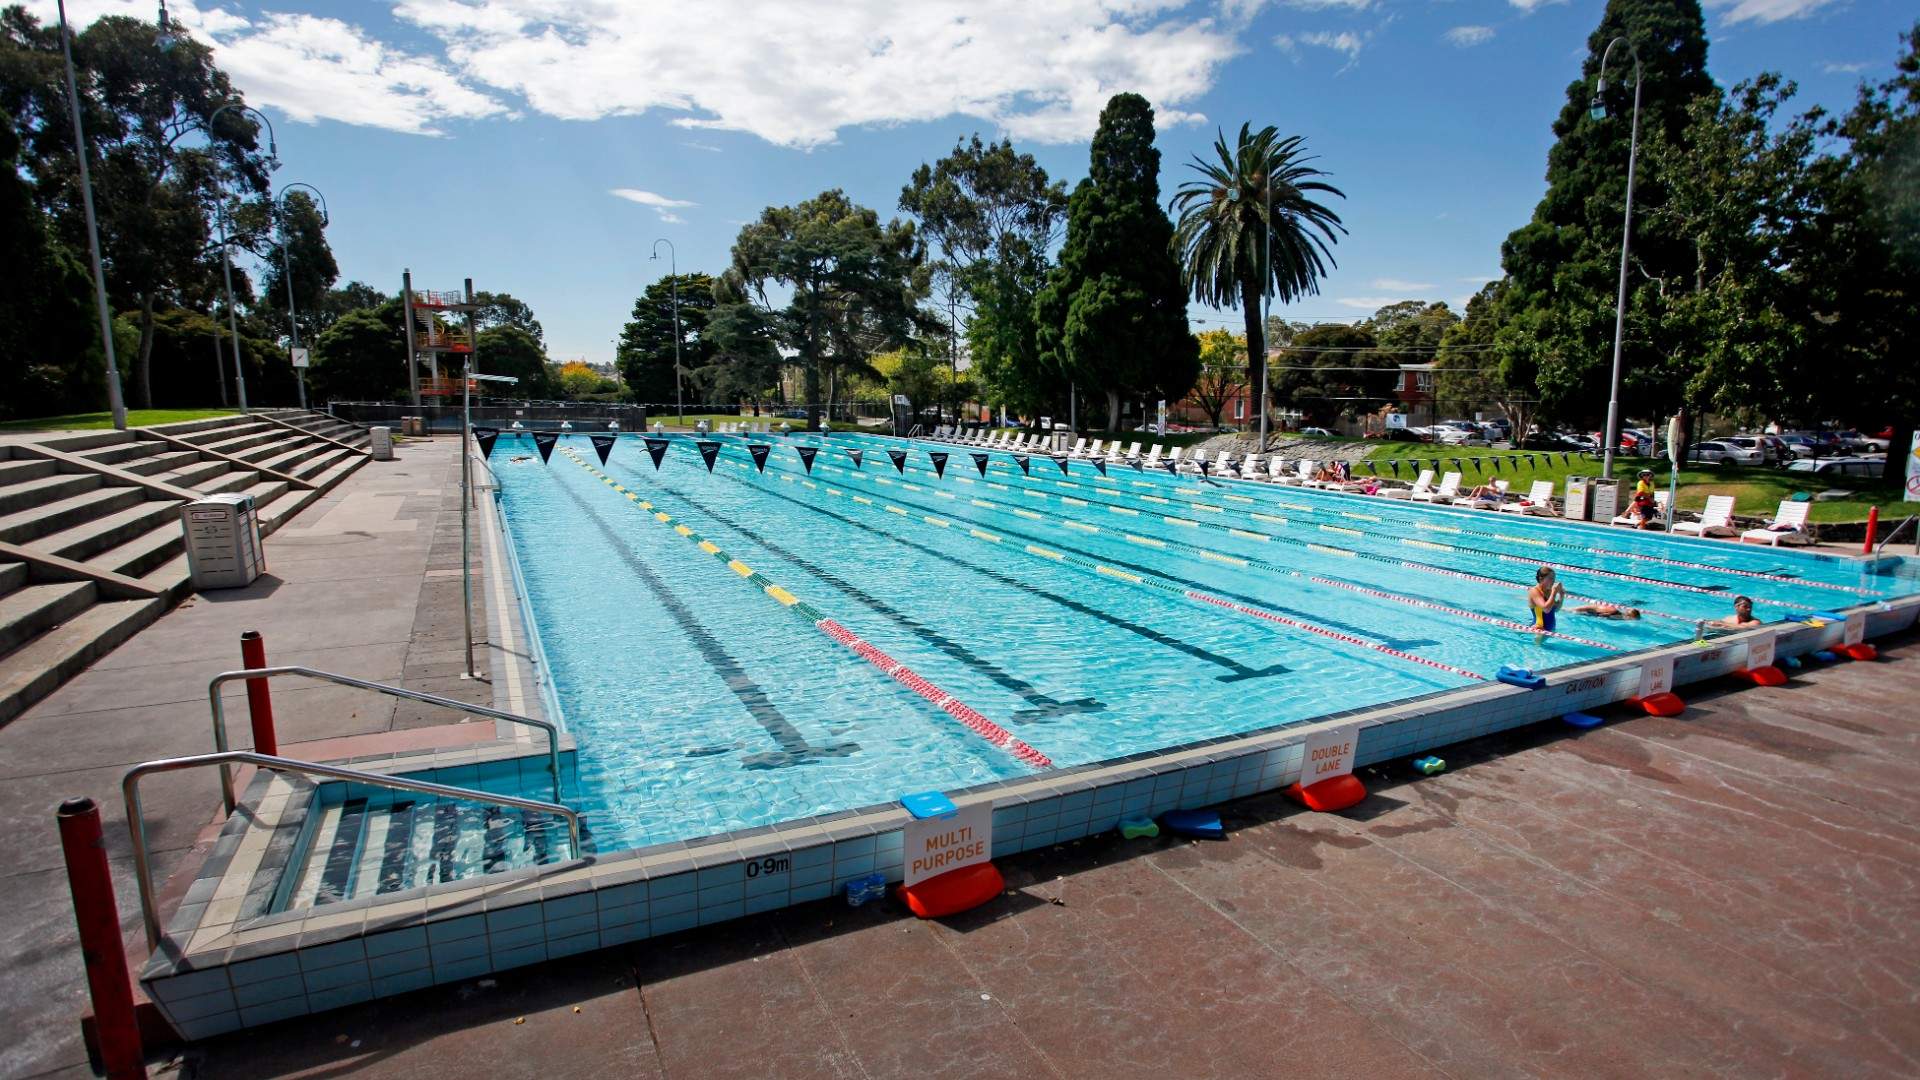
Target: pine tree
[
  {"x": 1563, "y": 265},
  {"x": 1113, "y": 315}
]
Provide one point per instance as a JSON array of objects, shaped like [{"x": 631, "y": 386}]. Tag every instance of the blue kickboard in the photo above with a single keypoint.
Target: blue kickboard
[
  {"x": 1201, "y": 823},
  {"x": 929, "y": 804},
  {"x": 1582, "y": 720},
  {"x": 1520, "y": 677}
]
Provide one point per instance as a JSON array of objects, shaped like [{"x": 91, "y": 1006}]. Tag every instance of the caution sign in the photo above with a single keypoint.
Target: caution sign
[
  {"x": 937, "y": 845},
  {"x": 602, "y": 445},
  {"x": 656, "y": 449},
  {"x": 543, "y": 441},
  {"x": 1327, "y": 754},
  {"x": 486, "y": 437}
]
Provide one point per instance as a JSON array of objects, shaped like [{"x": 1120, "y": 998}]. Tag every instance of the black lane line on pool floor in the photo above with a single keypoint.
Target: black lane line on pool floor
[
  {"x": 1044, "y": 706},
  {"x": 1236, "y": 671},
  {"x": 794, "y": 747}
]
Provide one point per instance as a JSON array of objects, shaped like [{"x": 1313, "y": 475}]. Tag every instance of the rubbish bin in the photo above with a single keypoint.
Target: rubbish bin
[
  {"x": 380, "y": 443},
  {"x": 1579, "y": 499},
  {"x": 223, "y": 541},
  {"x": 1606, "y": 499}
]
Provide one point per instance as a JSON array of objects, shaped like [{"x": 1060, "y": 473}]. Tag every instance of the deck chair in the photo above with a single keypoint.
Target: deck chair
[
  {"x": 1448, "y": 490},
  {"x": 1485, "y": 502},
  {"x": 1079, "y": 448},
  {"x": 1152, "y": 460},
  {"x": 1660, "y": 515},
  {"x": 1276, "y": 470},
  {"x": 1253, "y": 467},
  {"x": 1424, "y": 482},
  {"x": 1715, "y": 520},
  {"x": 1192, "y": 463},
  {"x": 1539, "y": 501},
  {"x": 1132, "y": 452},
  {"x": 1173, "y": 458},
  {"x": 1789, "y": 526}
]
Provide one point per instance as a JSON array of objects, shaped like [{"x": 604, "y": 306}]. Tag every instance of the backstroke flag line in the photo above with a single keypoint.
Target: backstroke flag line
[
  {"x": 485, "y": 436},
  {"x": 759, "y": 451},
  {"x": 939, "y": 459},
  {"x": 855, "y": 455},
  {"x": 980, "y": 462},
  {"x": 656, "y": 449},
  {"x": 710, "y": 451},
  {"x": 602, "y": 445},
  {"x": 1025, "y": 463},
  {"x": 899, "y": 460},
  {"x": 543, "y": 441},
  {"x": 806, "y": 456}
]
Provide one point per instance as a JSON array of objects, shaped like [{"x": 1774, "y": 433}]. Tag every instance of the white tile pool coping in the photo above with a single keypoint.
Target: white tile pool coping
[{"x": 226, "y": 964}]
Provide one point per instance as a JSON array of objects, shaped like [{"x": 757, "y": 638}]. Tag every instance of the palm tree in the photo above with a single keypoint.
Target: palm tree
[{"x": 1251, "y": 206}]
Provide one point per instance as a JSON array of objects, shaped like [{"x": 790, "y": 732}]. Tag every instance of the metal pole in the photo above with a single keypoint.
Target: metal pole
[
  {"x": 413, "y": 373},
  {"x": 115, "y": 404},
  {"x": 101, "y": 947},
  {"x": 233, "y": 323},
  {"x": 286, "y": 265},
  {"x": 219, "y": 365},
  {"x": 1626, "y": 237},
  {"x": 673, "y": 288},
  {"x": 466, "y": 486}
]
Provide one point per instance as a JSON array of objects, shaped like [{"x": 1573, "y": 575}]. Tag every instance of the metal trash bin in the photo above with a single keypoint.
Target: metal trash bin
[
  {"x": 1579, "y": 499},
  {"x": 413, "y": 425},
  {"x": 380, "y": 443},
  {"x": 223, "y": 541},
  {"x": 1606, "y": 499}
]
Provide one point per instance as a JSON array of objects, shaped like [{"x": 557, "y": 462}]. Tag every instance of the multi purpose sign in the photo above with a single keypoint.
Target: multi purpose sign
[{"x": 936, "y": 845}]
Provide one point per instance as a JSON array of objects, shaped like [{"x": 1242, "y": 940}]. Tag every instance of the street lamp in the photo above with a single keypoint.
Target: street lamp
[
  {"x": 1598, "y": 110},
  {"x": 226, "y": 251},
  {"x": 114, "y": 402},
  {"x": 673, "y": 284},
  {"x": 286, "y": 271}
]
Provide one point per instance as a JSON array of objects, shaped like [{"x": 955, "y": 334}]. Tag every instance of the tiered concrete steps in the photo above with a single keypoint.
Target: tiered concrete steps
[
  {"x": 320, "y": 423},
  {"x": 92, "y": 519}
]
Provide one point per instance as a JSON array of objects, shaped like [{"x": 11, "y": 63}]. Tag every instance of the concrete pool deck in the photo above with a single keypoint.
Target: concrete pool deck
[{"x": 1731, "y": 891}]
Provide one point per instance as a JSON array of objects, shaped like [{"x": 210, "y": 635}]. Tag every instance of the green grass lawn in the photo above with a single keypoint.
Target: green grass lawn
[
  {"x": 1756, "y": 491},
  {"x": 93, "y": 421}
]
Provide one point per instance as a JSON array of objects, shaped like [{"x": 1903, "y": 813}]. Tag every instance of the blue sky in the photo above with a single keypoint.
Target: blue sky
[{"x": 487, "y": 138}]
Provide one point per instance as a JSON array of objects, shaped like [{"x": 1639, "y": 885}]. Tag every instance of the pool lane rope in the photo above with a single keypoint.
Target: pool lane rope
[
  {"x": 1152, "y": 581},
  {"x": 968, "y": 716},
  {"x": 1432, "y": 545}
]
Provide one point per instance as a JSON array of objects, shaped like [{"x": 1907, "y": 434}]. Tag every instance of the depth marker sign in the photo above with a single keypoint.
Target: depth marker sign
[{"x": 936, "y": 845}]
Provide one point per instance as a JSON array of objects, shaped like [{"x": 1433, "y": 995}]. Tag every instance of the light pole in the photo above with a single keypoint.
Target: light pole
[
  {"x": 673, "y": 285},
  {"x": 114, "y": 403},
  {"x": 226, "y": 251},
  {"x": 1598, "y": 110},
  {"x": 286, "y": 271}
]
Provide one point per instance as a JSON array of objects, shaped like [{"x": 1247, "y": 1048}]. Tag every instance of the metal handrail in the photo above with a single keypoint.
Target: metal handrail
[
  {"x": 1908, "y": 520},
  {"x": 137, "y": 826},
  {"x": 220, "y": 713}
]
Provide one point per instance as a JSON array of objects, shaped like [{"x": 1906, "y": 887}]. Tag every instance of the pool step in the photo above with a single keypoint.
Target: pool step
[{"x": 363, "y": 847}]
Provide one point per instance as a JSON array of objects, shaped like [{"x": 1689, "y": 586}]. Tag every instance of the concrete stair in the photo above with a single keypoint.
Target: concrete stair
[{"x": 94, "y": 511}]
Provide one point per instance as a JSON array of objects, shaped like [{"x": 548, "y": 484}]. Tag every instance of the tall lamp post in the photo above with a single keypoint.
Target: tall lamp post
[
  {"x": 673, "y": 284},
  {"x": 1598, "y": 110},
  {"x": 286, "y": 271},
  {"x": 226, "y": 250},
  {"x": 114, "y": 402}
]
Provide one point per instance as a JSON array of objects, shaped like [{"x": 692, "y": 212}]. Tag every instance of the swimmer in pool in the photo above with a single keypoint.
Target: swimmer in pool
[
  {"x": 1605, "y": 610},
  {"x": 1545, "y": 599},
  {"x": 1741, "y": 619}
]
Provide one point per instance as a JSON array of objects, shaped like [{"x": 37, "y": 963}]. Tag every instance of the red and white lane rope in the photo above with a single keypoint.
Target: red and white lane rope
[
  {"x": 1492, "y": 620},
  {"x": 1274, "y": 616}
]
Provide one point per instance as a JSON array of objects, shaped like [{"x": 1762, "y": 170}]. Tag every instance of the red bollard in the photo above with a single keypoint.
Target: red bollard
[
  {"x": 253, "y": 654},
  {"x": 1873, "y": 525},
  {"x": 100, "y": 946}
]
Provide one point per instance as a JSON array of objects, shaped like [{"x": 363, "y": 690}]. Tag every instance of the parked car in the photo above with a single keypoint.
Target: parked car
[
  {"x": 1316, "y": 433},
  {"x": 1862, "y": 444},
  {"x": 1406, "y": 435},
  {"x": 1548, "y": 440},
  {"x": 1758, "y": 444},
  {"x": 1459, "y": 433},
  {"x": 1799, "y": 445},
  {"x": 1724, "y": 452},
  {"x": 1840, "y": 466}
]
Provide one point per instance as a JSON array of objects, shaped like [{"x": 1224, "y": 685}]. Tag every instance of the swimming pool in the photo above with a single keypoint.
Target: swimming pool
[{"x": 737, "y": 647}]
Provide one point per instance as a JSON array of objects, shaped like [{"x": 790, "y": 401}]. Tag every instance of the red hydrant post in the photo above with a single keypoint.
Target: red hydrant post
[
  {"x": 253, "y": 654},
  {"x": 101, "y": 948},
  {"x": 1873, "y": 525}
]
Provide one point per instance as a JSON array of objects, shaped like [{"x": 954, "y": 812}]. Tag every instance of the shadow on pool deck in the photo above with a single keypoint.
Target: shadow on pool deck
[{"x": 1732, "y": 892}]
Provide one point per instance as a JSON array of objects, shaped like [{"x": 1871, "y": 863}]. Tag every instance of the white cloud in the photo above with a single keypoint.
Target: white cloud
[
  {"x": 796, "y": 76},
  {"x": 1346, "y": 41},
  {"x": 1397, "y": 285},
  {"x": 1466, "y": 37},
  {"x": 1530, "y": 5},
  {"x": 1766, "y": 11},
  {"x": 1480, "y": 279},
  {"x": 660, "y": 204},
  {"x": 695, "y": 144},
  {"x": 1851, "y": 68},
  {"x": 314, "y": 68},
  {"x": 1368, "y": 303},
  {"x": 1323, "y": 5}
]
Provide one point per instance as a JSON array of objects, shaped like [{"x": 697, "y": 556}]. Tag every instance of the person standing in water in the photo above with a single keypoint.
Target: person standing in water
[{"x": 1545, "y": 599}]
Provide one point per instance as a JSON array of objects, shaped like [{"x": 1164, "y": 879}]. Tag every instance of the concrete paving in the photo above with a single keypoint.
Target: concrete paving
[{"x": 1734, "y": 892}]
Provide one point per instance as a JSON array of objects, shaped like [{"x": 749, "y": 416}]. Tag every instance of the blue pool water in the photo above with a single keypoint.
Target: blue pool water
[{"x": 1088, "y": 617}]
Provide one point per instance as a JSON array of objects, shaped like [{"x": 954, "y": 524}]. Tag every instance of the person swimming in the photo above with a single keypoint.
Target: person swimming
[
  {"x": 1741, "y": 619},
  {"x": 1545, "y": 599},
  {"x": 1604, "y": 610}
]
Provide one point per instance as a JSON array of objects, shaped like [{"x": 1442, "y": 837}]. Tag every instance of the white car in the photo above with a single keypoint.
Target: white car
[
  {"x": 1459, "y": 433},
  {"x": 1725, "y": 453},
  {"x": 1316, "y": 433},
  {"x": 1841, "y": 466}
]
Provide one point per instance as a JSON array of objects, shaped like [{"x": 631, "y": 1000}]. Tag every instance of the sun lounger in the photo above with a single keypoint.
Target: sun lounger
[
  {"x": 1715, "y": 520},
  {"x": 1422, "y": 483},
  {"x": 1079, "y": 448},
  {"x": 1789, "y": 526},
  {"x": 1539, "y": 501},
  {"x": 1448, "y": 490},
  {"x": 1153, "y": 456}
]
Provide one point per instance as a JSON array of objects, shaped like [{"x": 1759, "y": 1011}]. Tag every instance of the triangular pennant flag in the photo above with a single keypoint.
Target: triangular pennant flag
[
  {"x": 855, "y": 455},
  {"x": 1062, "y": 462},
  {"x": 759, "y": 451},
  {"x": 1564, "y": 458},
  {"x": 1137, "y": 466},
  {"x": 709, "y": 451},
  {"x": 1172, "y": 467},
  {"x": 656, "y": 449},
  {"x": 1396, "y": 466},
  {"x": 1100, "y": 466},
  {"x": 1373, "y": 468},
  {"x": 899, "y": 460},
  {"x": 939, "y": 459},
  {"x": 485, "y": 436},
  {"x": 602, "y": 445},
  {"x": 1496, "y": 464},
  {"x": 1025, "y": 463},
  {"x": 1455, "y": 462},
  {"x": 543, "y": 441},
  {"x": 806, "y": 456},
  {"x": 1529, "y": 458},
  {"x": 980, "y": 462},
  {"x": 1205, "y": 465},
  {"x": 1476, "y": 465}
]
